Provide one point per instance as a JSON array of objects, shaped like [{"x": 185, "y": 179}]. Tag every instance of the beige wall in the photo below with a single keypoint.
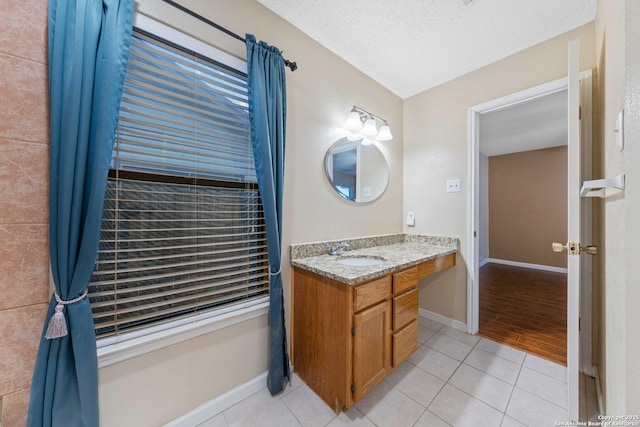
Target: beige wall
[
  {"x": 158, "y": 387},
  {"x": 528, "y": 206},
  {"x": 618, "y": 87},
  {"x": 24, "y": 165},
  {"x": 165, "y": 384},
  {"x": 435, "y": 149}
]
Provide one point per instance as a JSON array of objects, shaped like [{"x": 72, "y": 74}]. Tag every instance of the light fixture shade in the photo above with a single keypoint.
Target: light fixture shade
[
  {"x": 354, "y": 137},
  {"x": 385, "y": 133},
  {"x": 353, "y": 121},
  {"x": 369, "y": 128}
]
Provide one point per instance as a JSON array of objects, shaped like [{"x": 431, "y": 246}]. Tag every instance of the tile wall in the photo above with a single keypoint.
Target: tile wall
[{"x": 24, "y": 150}]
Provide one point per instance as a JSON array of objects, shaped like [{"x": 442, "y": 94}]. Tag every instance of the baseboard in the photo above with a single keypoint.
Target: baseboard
[
  {"x": 456, "y": 324},
  {"x": 527, "y": 265},
  {"x": 219, "y": 404},
  {"x": 484, "y": 261}
]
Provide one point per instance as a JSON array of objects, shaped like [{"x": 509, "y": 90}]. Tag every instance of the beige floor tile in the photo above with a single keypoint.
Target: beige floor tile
[
  {"x": 534, "y": 411},
  {"x": 429, "y": 419},
  {"x": 543, "y": 386},
  {"x": 501, "y": 350},
  {"x": 388, "y": 407},
  {"x": 217, "y": 421},
  {"x": 308, "y": 408},
  {"x": 460, "y": 335},
  {"x": 293, "y": 385},
  {"x": 260, "y": 410},
  {"x": 546, "y": 367},
  {"x": 434, "y": 362},
  {"x": 428, "y": 323},
  {"x": 493, "y": 365},
  {"x": 482, "y": 386},
  {"x": 461, "y": 410},
  {"x": 352, "y": 418},
  {"x": 449, "y": 346},
  {"x": 419, "y": 385},
  {"x": 510, "y": 422},
  {"x": 424, "y": 334}
]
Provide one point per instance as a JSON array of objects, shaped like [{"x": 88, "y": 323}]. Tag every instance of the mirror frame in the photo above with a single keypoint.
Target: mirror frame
[{"x": 356, "y": 144}]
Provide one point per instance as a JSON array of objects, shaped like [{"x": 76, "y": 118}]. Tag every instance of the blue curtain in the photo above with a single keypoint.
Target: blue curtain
[
  {"x": 88, "y": 52},
  {"x": 267, "y": 114}
]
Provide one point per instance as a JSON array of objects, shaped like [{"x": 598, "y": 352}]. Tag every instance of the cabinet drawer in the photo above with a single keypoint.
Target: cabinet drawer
[
  {"x": 405, "y": 343},
  {"x": 371, "y": 293},
  {"x": 405, "y": 309},
  {"x": 405, "y": 280}
]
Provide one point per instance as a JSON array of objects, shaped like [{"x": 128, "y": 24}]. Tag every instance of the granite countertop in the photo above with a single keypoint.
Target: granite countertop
[{"x": 398, "y": 250}]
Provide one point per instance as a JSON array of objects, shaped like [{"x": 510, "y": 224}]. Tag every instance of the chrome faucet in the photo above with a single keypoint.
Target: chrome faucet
[{"x": 338, "y": 248}]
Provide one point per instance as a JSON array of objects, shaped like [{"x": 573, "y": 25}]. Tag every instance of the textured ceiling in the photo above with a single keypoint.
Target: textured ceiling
[
  {"x": 532, "y": 125},
  {"x": 410, "y": 46}
]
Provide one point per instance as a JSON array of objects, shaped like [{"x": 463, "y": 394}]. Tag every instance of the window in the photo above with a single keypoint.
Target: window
[{"x": 182, "y": 228}]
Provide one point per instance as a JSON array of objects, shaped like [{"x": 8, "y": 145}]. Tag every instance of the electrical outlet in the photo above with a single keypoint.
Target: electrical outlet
[
  {"x": 453, "y": 185},
  {"x": 411, "y": 218}
]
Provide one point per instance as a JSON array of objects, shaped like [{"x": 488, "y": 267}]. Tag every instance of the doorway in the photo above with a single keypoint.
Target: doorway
[
  {"x": 522, "y": 209},
  {"x": 473, "y": 221}
]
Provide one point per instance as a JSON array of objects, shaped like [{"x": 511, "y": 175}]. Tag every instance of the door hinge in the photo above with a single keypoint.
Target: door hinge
[
  {"x": 579, "y": 113},
  {"x": 353, "y": 330},
  {"x": 579, "y": 323},
  {"x": 353, "y": 388},
  {"x": 475, "y": 234}
]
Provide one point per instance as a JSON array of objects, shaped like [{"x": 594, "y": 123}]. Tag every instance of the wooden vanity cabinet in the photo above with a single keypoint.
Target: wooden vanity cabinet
[{"x": 347, "y": 338}]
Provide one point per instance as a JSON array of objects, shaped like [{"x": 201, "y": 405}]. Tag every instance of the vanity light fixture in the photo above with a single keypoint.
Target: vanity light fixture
[
  {"x": 370, "y": 128},
  {"x": 385, "y": 133},
  {"x": 353, "y": 121},
  {"x": 364, "y": 124}
]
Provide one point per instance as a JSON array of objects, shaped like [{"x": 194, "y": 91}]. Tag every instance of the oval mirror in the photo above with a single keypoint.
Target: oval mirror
[{"x": 357, "y": 170}]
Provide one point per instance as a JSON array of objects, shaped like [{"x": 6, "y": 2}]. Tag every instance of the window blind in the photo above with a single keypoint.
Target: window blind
[{"x": 182, "y": 228}]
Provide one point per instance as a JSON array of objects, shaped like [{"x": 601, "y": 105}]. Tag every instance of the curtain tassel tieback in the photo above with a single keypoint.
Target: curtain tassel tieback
[
  {"x": 57, "y": 324},
  {"x": 276, "y": 273}
]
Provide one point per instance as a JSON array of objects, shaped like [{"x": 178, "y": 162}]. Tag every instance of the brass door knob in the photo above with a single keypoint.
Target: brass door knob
[{"x": 574, "y": 248}]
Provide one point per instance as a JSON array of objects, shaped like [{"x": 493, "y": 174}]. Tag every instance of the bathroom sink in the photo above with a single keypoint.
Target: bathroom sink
[{"x": 360, "y": 261}]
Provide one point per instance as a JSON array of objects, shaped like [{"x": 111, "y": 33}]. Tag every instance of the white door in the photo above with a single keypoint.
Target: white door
[
  {"x": 578, "y": 230},
  {"x": 573, "y": 232}
]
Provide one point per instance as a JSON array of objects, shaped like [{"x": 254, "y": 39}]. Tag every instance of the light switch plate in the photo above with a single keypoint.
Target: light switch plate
[{"x": 453, "y": 185}]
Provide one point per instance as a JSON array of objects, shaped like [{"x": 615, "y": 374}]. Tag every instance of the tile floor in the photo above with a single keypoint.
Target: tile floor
[{"x": 453, "y": 379}]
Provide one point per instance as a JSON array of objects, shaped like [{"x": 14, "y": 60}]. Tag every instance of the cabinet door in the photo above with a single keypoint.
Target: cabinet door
[{"x": 371, "y": 348}]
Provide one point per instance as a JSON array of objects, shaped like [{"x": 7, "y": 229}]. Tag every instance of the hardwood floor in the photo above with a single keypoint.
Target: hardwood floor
[{"x": 526, "y": 309}]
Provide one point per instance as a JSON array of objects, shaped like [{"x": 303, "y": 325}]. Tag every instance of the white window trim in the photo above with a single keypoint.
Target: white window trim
[
  {"x": 159, "y": 29},
  {"x": 116, "y": 349}
]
